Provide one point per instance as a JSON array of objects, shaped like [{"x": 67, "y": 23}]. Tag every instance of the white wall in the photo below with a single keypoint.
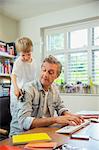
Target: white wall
[
  {"x": 78, "y": 103},
  {"x": 8, "y": 29},
  {"x": 31, "y": 27}
]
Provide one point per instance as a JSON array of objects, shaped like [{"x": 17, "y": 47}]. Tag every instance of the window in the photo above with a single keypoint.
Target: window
[
  {"x": 77, "y": 47},
  {"x": 78, "y": 38},
  {"x": 55, "y": 42}
]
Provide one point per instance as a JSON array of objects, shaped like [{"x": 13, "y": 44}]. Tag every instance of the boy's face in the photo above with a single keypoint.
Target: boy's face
[
  {"x": 26, "y": 57},
  {"x": 48, "y": 74}
]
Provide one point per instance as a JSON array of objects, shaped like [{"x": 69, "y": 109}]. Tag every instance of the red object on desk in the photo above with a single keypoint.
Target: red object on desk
[
  {"x": 90, "y": 116},
  {"x": 6, "y": 147}
]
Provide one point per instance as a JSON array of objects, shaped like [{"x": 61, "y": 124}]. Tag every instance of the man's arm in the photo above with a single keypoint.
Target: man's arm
[
  {"x": 61, "y": 110},
  {"x": 62, "y": 120},
  {"x": 59, "y": 105},
  {"x": 28, "y": 122},
  {"x": 41, "y": 122}
]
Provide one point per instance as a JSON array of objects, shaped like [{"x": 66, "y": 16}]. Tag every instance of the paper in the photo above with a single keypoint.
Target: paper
[
  {"x": 41, "y": 145},
  {"x": 25, "y": 138}
]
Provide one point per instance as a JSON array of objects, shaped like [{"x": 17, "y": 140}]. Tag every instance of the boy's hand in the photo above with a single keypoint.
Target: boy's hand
[{"x": 17, "y": 92}]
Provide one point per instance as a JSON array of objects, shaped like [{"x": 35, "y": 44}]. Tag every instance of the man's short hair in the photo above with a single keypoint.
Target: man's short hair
[
  {"x": 52, "y": 60},
  {"x": 24, "y": 44}
]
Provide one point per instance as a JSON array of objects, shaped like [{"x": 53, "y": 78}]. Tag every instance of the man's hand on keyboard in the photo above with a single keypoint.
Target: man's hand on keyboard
[
  {"x": 69, "y": 119},
  {"x": 79, "y": 118}
]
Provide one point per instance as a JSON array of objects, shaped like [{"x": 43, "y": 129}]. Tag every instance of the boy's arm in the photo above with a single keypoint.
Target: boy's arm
[
  {"x": 17, "y": 91},
  {"x": 13, "y": 78}
]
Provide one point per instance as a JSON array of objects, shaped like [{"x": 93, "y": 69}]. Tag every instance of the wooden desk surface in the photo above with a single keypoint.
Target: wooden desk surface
[{"x": 92, "y": 130}]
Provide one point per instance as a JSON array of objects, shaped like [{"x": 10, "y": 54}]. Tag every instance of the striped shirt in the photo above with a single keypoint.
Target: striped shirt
[{"x": 33, "y": 106}]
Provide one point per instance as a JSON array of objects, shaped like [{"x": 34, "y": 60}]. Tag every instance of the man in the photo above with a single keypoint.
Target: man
[{"x": 41, "y": 99}]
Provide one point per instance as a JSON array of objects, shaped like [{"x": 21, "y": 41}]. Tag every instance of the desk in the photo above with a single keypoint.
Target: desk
[{"x": 91, "y": 144}]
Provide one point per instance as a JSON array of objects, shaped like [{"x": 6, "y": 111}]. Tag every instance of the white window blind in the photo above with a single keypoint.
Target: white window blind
[
  {"x": 95, "y": 66},
  {"x": 95, "y": 36},
  {"x": 77, "y": 67},
  {"x": 55, "y": 42}
]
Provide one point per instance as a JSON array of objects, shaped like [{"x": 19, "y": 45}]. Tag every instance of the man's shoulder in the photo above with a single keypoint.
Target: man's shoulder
[
  {"x": 33, "y": 83},
  {"x": 30, "y": 86}
]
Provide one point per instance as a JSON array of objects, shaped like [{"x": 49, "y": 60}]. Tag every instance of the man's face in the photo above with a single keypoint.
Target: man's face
[
  {"x": 26, "y": 57},
  {"x": 48, "y": 74}
]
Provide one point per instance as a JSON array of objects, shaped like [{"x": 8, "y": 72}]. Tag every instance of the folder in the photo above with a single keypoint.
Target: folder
[
  {"x": 36, "y": 145},
  {"x": 26, "y": 138}
]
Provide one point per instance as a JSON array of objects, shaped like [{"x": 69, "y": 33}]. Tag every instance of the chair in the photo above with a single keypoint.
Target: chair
[{"x": 5, "y": 116}]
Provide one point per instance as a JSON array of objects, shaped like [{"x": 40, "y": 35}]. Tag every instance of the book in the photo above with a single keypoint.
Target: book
[
  {"x": 32, "y": 146},
  {"x": 26, "y": 138}
]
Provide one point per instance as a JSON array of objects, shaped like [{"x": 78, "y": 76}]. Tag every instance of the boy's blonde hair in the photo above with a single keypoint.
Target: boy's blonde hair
[{"x": 24, "y": 44}]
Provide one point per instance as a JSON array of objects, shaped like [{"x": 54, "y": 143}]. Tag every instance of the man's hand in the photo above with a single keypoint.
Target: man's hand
[{"x": 69, "y": 119}]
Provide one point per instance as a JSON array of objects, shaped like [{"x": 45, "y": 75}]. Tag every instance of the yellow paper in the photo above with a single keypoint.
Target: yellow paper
[{"x": 25, "y": 138}]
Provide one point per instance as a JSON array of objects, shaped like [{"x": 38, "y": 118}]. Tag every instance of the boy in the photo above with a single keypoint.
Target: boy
[{"x": 23, "y": 69}]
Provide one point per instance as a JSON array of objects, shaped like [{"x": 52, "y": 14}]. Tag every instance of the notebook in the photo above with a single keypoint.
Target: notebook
[{"x": 25, "y": 138}]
